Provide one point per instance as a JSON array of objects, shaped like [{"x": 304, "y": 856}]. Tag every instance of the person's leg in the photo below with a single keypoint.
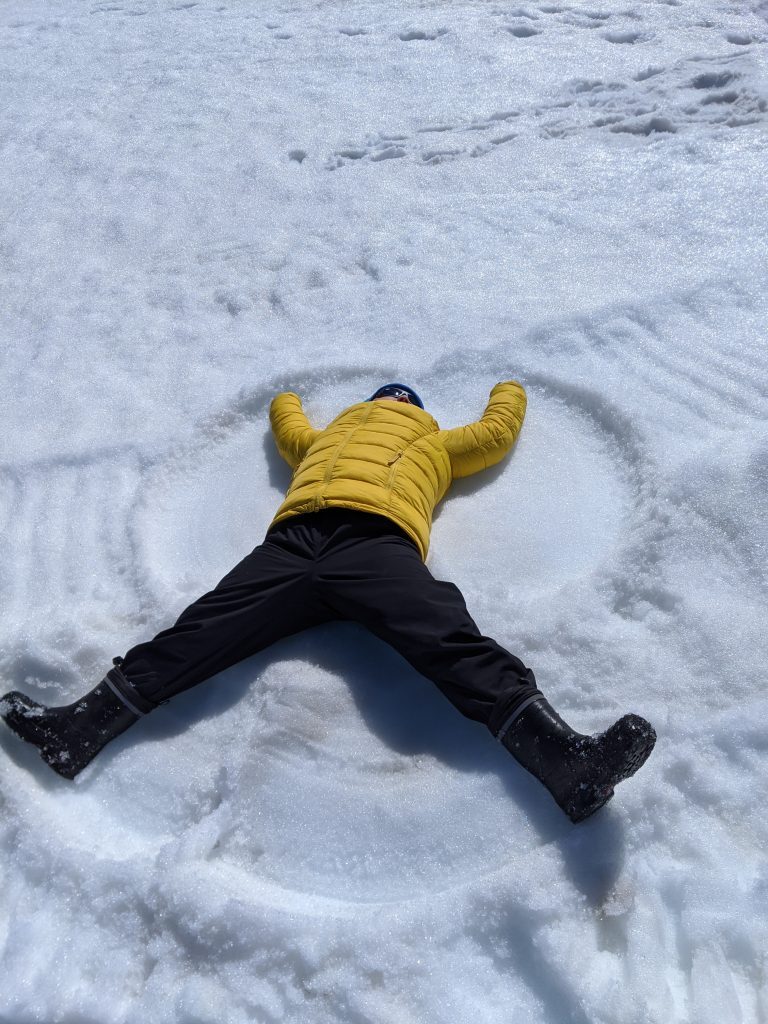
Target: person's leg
[
  {"x": 265, "y": 597},
  {"x": 374, "y": 576}
]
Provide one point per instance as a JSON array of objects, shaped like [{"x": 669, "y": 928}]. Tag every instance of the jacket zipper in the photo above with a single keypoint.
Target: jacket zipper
[
  {"x": 319, "y": 499},
  {"x": 393, "y": 469}
]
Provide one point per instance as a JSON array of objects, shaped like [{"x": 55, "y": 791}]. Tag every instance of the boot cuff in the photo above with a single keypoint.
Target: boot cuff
[
  {"x": 519, "y": 709},
  {"x": 124, "y": 689}
]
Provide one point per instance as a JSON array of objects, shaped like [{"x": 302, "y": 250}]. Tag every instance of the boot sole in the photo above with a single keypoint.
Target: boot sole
[{"x": 637, "y": 753}]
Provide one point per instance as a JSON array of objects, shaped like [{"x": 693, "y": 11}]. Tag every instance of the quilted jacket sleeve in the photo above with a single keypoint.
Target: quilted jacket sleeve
[
  {"x": 486, "y": 442},
  {"x": 293, "y": 434}
]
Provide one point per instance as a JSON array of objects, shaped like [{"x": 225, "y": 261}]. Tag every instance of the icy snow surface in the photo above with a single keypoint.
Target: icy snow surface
[{"x": 206, "y": 202}]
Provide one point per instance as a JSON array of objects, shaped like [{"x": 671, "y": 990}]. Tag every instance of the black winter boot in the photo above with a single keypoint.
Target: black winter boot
[
  {"x": 579, "y": 771},
  {"x": 69, "y": 737}
]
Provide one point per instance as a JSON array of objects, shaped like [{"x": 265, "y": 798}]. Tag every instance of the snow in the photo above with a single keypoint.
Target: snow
[{"x": 204, "y": 203}]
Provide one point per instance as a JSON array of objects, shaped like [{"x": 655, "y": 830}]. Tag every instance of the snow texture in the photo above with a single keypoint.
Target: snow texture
[{"x": 206, "y": 202}]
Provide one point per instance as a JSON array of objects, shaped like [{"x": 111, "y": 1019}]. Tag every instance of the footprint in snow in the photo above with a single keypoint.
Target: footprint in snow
[
  {"x": 628, "y": 37},
  {"x": 383, "y": 147},
  {"x": 522, "y": 31},
  {"x": 653, "y": 103},
  {"x": 421, "y": 34}
]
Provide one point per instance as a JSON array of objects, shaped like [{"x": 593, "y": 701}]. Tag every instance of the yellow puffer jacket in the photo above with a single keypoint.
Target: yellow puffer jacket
[{"x": 389, "y": 458}]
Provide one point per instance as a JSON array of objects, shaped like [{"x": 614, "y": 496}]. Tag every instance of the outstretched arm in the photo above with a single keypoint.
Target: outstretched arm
[
  {"x": 293, "y": 434},
  {"x": 484, "y": 443}
]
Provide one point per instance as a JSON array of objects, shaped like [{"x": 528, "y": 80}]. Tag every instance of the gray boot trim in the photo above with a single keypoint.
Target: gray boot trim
[
  {"x": 121, "y": 696},
  {"x": 516, "y": 714},
  {"x": 125, "y": 691}
]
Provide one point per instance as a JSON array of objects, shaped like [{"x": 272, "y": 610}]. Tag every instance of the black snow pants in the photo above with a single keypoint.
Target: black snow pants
[{"x": 324, "y": 566}]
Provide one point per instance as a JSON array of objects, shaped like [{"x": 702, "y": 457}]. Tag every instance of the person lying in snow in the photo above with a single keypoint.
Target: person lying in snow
[{"x": 349, "y": 542}]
